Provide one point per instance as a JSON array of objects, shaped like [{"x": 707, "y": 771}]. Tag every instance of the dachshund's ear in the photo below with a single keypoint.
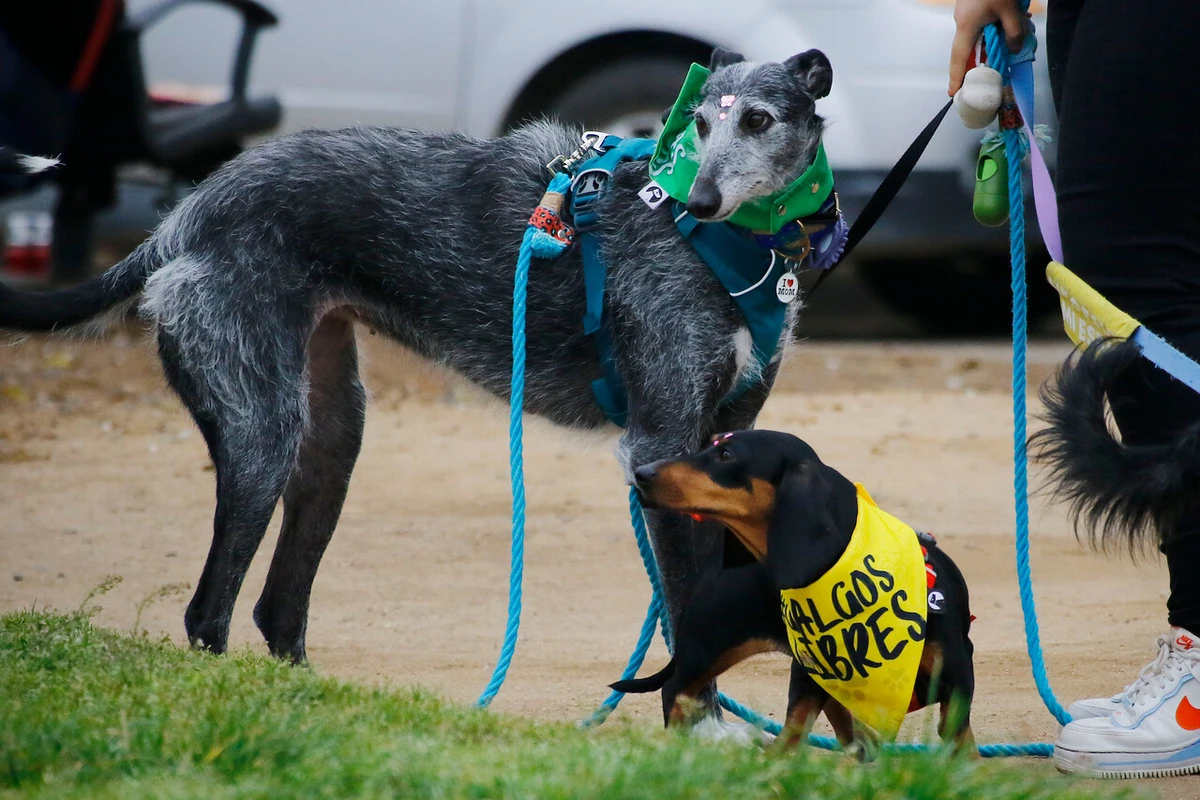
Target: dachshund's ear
[
  {"x": 812, "y": 525},
  {"x": 723, "y": 58}
]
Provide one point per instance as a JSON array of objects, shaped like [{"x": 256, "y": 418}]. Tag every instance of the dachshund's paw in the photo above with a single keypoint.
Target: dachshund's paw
[
  {"x": 711, "y": 729},
  {"x": 862, "y": 750}
]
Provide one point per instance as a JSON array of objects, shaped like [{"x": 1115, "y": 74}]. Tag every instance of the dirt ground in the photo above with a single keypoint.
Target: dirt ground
[{"x": 102, "y": 473}]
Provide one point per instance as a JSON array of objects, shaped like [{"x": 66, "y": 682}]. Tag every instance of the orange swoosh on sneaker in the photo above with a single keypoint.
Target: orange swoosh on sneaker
[{"x": 1187, "y": 715}]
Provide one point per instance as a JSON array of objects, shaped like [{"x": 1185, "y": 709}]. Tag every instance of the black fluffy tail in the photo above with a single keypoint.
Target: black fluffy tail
[
  {"x": 1115, "y": 491},
  {"x": 651, "y": 683},
  {"x": 47, "y": 311}
]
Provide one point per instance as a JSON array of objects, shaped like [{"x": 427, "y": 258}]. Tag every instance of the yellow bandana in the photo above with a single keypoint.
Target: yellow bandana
[{"x": 858, "y": 629}]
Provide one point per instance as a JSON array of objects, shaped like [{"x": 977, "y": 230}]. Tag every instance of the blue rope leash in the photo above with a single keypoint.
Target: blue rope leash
[
  {"x": 638, "y": 518},
  {"x": 516, "y": 463},
  {"x": 1015, "y": 149},
  {"x": 516, "y": 458},
  {"x": 636, "y": 658}
]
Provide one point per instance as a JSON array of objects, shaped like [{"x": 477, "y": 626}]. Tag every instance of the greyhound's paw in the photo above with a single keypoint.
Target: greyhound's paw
[{"x": 711, "y": 729}]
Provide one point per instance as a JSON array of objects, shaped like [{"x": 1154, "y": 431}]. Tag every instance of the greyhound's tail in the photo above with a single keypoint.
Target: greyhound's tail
[
  {"x": 1116, "y": 491},
  {"x": 651, "y": 683},
  {"x": 35, "y": 312},
  {"x": 47, "y": 311}
]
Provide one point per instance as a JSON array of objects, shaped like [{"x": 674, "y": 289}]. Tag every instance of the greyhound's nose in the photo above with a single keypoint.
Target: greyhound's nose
[
  {"x": 704, "y": 201},
  {"x": 645, "y": 473}
]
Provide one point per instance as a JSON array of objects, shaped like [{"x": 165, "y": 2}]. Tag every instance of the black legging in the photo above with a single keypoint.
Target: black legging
[{"x": 1124, "y": 82}]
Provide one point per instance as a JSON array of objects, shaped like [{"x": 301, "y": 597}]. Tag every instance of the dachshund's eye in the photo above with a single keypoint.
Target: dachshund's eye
[
  {"x": 701, "y": 127},
  {"x": 725, "y": 455},
  {"x": 756, "y": 120}
]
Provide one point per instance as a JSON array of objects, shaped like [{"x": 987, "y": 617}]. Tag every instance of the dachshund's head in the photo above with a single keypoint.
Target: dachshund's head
[{"x": 770, "y": 489}]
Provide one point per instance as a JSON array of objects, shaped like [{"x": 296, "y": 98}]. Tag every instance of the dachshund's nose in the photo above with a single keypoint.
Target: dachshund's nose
[{"x": 645, "y": 473}]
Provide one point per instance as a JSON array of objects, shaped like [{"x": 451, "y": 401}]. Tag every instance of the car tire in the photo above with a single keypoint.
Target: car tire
[
  {"x": 961, "y": 295},
  {"x": 626, "y": 97}
]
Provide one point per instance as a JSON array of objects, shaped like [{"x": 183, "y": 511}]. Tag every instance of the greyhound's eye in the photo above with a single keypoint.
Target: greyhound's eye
[
  {"x": 701, "y": 127},
  {"x": 725, "y": 455},
  {"x": 756, "y": 120}
]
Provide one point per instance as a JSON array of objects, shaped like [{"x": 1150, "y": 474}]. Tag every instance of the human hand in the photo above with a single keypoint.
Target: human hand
[{"x": 970, "y": 17}]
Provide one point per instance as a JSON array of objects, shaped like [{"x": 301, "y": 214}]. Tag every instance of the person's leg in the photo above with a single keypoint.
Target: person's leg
[
  {"x": 1060, "y": 30},
  {"x": 1129, "y": 202},
  {"x": 1129, "y": 205}
]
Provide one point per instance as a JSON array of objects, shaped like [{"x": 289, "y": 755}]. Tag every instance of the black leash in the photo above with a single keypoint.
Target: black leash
[{"x": 886, "y": 193}]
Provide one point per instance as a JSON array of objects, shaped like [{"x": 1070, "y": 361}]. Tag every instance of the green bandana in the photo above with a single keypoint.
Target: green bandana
[{"x": 676, "y": 162}]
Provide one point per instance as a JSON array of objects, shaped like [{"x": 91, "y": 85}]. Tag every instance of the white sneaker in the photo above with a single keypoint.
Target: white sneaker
[
  {"x": 1154, "y": 731},
  {"x": 1101, "y": 706}
]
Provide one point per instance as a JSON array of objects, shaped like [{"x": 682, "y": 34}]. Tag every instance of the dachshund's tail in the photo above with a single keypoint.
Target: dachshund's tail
[
  {"x": 651, "y": 683},
  {"x": 1116, "y": 492}
]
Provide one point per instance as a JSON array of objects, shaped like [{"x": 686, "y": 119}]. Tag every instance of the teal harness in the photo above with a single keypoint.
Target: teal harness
[{"x": 747, "y": 270}]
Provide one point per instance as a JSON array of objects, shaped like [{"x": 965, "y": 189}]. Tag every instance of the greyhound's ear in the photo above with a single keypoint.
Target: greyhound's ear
[
  {"x": 814, "y": 72},
  {"x": 723, "y": 58},
  {"x": 667, "y": 114},
  {"x": 812, "y": 525}
]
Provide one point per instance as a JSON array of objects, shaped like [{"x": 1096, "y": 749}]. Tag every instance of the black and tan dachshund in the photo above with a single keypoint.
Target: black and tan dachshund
[{"x": 796, "y": 516}]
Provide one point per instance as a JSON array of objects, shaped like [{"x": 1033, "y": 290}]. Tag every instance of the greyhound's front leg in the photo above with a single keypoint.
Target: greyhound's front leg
[{"x": 670, "y": 425}]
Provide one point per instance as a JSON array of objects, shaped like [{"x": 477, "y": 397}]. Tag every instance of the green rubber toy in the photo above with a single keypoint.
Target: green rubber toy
[{"x": 990, "y": 203}]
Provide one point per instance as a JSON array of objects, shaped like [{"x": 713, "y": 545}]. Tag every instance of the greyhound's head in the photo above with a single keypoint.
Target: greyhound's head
[{"x": 757, "y": 128}]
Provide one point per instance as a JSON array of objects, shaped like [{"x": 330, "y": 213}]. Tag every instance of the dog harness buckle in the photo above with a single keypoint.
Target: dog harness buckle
[{"x": 587, "y": 187}]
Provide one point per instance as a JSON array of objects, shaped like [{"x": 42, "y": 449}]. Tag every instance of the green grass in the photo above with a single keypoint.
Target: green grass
[{"x": 85, "y": 712}]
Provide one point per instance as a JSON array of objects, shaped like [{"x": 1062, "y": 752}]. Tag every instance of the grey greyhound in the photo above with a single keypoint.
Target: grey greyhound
[{"x": 255, "y": 280}]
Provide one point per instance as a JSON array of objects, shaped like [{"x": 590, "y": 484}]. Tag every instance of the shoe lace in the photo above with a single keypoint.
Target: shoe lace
[{"x": 1159, "y": 675}]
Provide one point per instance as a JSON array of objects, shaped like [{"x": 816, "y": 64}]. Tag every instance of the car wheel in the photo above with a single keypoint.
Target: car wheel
[
  {"x": 626, "y": 98},
  {"x": 961, "y": 295}
]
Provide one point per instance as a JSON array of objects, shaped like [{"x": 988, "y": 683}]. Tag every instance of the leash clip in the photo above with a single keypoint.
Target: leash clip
[
  {"x": 590, "y": 142},
  {"x": 594, "y": 140}
]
